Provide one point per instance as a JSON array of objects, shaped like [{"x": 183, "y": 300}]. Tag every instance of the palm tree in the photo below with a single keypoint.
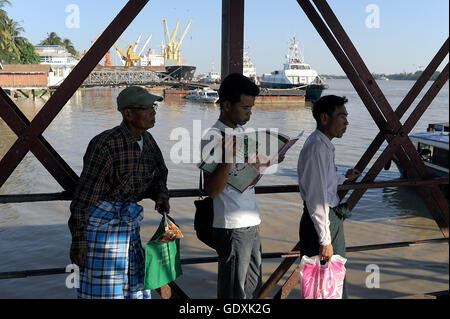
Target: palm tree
[
  {"x": 13, "y": 40},
  {"x": 52, "y": 39},
  {"x": 70, "y": 47},
  {"x": 13, "y": 47},
  {"x": 2, "y": 4},
  {"x": 5, "y": 38}
]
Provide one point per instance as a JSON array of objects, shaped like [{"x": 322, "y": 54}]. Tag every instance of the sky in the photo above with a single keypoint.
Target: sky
[{"x": 392, "y": 36}]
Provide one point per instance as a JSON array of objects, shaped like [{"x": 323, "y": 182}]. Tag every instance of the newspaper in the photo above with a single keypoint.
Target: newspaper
[{"x": 257, "y": 153}]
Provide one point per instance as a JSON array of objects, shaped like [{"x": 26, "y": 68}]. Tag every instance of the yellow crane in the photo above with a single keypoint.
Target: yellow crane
[
  {"x": 172, "y": 48},
  {"x": 130, "y": 58}
]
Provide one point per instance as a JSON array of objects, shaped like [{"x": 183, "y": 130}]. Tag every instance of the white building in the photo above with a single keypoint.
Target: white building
[{"x": 60, "y": 60}]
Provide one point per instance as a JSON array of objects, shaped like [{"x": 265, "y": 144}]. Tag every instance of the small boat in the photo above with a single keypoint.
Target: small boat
[
  {"x": 204, "y": 95},
  {"x": 432, "y": 146},
  {"x": 295, "y": 74}
]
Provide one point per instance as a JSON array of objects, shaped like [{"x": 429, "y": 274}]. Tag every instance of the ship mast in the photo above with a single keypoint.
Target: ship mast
[{"x": 294, "y": 56}]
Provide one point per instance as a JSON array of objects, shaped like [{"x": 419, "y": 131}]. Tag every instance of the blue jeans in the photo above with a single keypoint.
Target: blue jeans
[{"x": 240, "y": 270}]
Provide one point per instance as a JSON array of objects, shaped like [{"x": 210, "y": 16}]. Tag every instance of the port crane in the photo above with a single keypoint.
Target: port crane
[
  {"x": 172, "y": 50},
  {"x": 128, "y": 58}
]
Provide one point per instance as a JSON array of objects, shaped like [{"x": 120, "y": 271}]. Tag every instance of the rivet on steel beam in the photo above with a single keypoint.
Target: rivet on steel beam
[
  {"x": 24, "y": 137},
  {"x": 390, "y": 132}
]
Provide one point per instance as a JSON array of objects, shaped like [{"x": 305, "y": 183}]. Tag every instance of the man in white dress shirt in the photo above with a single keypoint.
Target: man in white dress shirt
[{"x": 321, "y": 226}]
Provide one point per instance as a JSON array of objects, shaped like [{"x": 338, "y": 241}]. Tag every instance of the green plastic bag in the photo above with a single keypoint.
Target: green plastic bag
[{"x": 162, "y": 259}]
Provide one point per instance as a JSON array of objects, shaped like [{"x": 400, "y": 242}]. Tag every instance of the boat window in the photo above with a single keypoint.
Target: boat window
[
  {"x": 212, "y": 94},
  {"x": 440, "y": 157},
  {"x": 425, "y": 152},
  {"x": 433, "y": 155}
]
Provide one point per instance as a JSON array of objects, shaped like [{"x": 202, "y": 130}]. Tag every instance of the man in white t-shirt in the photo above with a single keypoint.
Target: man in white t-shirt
[{"x": 236, "y": 215}]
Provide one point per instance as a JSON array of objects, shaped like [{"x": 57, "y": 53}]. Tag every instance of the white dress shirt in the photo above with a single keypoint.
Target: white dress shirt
[
  {"x": 232, "y": 209},
  {"x": 318, "y": 181}
]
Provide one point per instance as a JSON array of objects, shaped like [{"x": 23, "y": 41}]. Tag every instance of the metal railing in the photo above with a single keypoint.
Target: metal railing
[{"x": 174, "y": 291}]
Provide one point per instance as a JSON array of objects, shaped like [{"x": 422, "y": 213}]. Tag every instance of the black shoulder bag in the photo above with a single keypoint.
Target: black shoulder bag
[{"x": 204, "y": 215}]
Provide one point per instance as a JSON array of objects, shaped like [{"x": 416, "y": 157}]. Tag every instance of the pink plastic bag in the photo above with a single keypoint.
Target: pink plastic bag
[{"x": 322, "y": 282}]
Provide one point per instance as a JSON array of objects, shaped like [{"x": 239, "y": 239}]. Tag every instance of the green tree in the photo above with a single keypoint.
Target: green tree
[
  {"x": 28, "y": 54},
  {"x": 54, "y": 39},
  {"x": 5, "y": 37},
  {"x": 13, "y": 47},
  {"x": 12, "y": 41},
  {"x": 70, "y": 47}
]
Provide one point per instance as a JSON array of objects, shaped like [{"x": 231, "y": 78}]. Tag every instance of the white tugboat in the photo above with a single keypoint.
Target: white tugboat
[
  {"x": 295, "y": 74},
  {"x": 249, "y": 69}
]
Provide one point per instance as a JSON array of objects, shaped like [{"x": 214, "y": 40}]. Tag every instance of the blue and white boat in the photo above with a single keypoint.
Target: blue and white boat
[
  {"x": 433, "y": 148},
  {"x": 203, "y": 95}
]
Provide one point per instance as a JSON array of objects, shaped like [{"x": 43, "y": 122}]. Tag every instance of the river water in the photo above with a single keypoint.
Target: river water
[{"x": 35, "y": 235}]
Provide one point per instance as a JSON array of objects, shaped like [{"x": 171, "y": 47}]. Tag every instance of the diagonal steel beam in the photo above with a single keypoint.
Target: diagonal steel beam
[
  {"x": 403, "y": 107},
  {"x": 371, "y": 84},
  {"x": 277, "y": 274},
  {"x": 418, "y": 167},
  {"x": 385, "y": 128},
  {"x": 57, "y": 101},
  {"x": 349, "y": 69},
  {"x": 364, "y": 75},
  {"x": 42, "y": 150},
  {"x": 346, "y": 65},
  {"x": 356, "y": 60},
  {"x": 290, "y": 283},
  {"x": 368, "y": 90},
  {"x": 441, "y": 214}
]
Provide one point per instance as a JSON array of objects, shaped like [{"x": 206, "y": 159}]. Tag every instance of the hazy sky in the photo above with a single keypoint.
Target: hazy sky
[{"x": 404, "y": 35}]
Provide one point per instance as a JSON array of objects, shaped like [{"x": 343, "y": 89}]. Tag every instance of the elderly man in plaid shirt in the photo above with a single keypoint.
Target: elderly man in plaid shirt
[{"x": 122, "y": 166}]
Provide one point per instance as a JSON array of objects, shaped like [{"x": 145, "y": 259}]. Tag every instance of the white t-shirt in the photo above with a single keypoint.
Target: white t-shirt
[{"x": 233, "y": 209}]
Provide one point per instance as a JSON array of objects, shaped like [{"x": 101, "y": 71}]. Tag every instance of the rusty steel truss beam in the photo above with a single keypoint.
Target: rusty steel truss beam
[
  {"x": 30, "y": 133},
  {"x": 384, "y": 117},
  {"x": 329, "y": 28},
  {"x": 194, "y": 192}
]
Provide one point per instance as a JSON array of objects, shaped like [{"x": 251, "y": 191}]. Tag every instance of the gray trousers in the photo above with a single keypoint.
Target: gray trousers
[{"x": 240, "y": 270}]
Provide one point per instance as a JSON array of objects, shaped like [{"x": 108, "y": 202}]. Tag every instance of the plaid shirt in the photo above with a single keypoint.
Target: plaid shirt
[{"x": 115, "y": 170}]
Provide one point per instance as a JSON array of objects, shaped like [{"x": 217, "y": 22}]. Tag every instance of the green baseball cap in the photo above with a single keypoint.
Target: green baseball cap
[{"x": 136, "y": 95}]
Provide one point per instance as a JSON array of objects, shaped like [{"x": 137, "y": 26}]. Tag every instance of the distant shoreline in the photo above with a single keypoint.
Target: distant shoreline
[{"x": 396, "y": 76}]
